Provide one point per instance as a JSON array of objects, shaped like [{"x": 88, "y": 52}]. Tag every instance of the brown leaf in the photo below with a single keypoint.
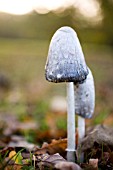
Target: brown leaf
[
  {"x": 14, "y": 167},
  {"x": 52, "y": 158},
  {"x": 56, "y": 146},
  {"x": 50, "y": 161},
  {"x": 100, "y": 134}
]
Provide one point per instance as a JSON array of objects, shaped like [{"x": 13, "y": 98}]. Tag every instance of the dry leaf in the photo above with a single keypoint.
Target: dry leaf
[
  {"x": 16, "y": 157},
  {"x": 56, "y": 146},
  {"x": 52, "y": 158},
  {"x": 13, "y": 167},
  {"x": 50, "y": 161}
]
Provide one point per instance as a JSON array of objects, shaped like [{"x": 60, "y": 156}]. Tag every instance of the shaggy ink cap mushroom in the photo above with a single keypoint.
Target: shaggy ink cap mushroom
[
  {"x": 65, "y": 62},
  {"x": 85, "y": 97}
]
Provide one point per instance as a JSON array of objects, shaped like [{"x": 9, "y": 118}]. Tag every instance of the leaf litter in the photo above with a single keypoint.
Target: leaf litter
[{"x": 17, "y": 153}]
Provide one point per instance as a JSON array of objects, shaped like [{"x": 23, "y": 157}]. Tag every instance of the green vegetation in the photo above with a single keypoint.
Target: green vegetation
[
  {"x": 17, "y": 159},
  {"x": 22, "y": 55},
  {"x": 61, "y": 123}
]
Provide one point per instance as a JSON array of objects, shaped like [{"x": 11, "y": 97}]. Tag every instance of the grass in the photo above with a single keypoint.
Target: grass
[
  {"x": 22, "y": 61},
  {"x": 17, "y": 159}
]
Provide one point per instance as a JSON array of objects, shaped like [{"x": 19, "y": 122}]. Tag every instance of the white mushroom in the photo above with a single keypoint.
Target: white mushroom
[
  {"x": 84, "y": 104},
  {"x": 66, "y": 63}
]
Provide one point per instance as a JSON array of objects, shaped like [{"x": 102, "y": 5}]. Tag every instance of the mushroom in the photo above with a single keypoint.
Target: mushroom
[
  {"x": 66, "y": 63},
  {"x": 84, "y": 104}
]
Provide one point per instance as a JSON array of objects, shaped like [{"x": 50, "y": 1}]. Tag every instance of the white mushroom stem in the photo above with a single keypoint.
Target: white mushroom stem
[
  {"x": 81, "y": 134},
  {"x": 81, "y": 128},
  {"x": 70, "y": 122}
]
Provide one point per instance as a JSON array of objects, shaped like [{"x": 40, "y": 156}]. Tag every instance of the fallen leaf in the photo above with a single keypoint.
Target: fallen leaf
[
  {"x": 17, "y": 157},
  {"x": 52, "y": 158},
  {"x": 56, "y": 146},
  {"x": 100, "y": 134},
  {"x": 14, "y": 167},
  {"x": 50, "y": 161}
]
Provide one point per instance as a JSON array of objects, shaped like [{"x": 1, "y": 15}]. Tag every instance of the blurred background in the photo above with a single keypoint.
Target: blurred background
[{"x": 26, "y": 28}]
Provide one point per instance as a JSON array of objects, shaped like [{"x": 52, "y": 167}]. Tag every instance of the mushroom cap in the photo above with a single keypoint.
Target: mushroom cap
[
  {"x": 65, "y": 62},
  {"x": 85, "y": 97}
]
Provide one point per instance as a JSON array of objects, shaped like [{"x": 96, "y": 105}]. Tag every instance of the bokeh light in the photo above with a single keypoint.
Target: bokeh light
[{"x": 88, "y": 8}]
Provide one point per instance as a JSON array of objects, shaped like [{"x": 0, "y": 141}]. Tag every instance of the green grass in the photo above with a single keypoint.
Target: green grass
[{"x": 23, "y": 59}]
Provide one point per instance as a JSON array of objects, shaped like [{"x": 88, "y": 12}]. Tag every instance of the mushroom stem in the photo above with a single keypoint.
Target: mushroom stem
[
  {"x": 81, "y": 134},
  {"x": 81, "y": 128},
  {"x": 70, "y": 122}
]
